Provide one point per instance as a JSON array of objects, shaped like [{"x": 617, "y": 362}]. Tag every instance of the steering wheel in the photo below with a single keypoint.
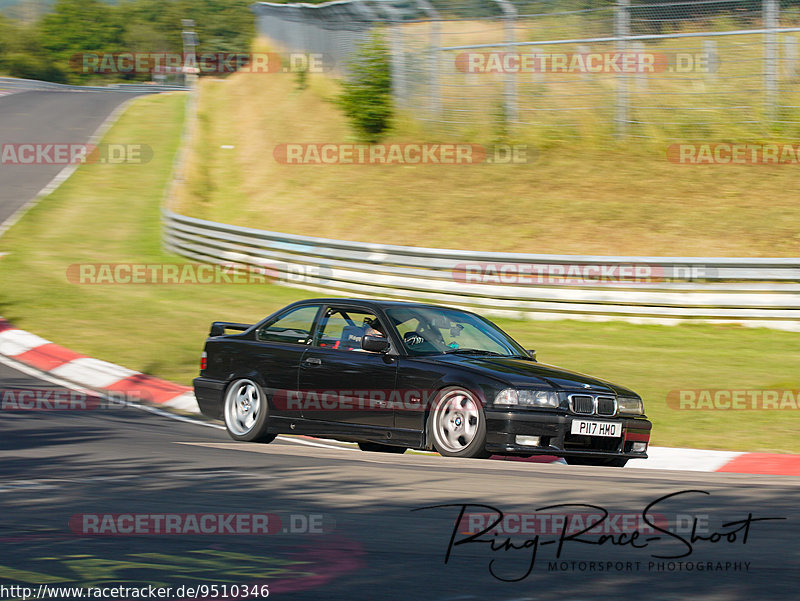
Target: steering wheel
[{"x": 414, "y": 338}]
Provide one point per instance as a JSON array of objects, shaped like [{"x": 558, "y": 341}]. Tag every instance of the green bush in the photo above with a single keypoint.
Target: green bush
[
  {"x": 27, "y": 66},
  {"x": 367, "y": 95}
]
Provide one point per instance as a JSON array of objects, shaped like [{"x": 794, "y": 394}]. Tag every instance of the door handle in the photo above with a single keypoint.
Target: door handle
[{"x": 313, "y": 361}]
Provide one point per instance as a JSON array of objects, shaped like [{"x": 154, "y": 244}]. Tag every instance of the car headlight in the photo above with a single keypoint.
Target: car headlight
[
  {"x": 630, "y": 406},
  {"x": 527, "y": 398}
]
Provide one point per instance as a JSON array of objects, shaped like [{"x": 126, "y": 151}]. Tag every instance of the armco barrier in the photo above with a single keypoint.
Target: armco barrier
[
  {"x": 756, "y": 292},
  {"x": 12, "y": 83}
]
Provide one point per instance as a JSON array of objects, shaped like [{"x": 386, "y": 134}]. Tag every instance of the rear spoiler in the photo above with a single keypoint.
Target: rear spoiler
[{"x": 218, "y": 327}]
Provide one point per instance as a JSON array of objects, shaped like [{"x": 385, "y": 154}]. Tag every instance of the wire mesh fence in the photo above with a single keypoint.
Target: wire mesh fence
[{"x": 530, "y": 69}]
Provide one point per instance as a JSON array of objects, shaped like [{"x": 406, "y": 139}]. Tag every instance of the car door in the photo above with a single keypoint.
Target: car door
[
  {"x": 341, "y": 383},
  {"x": 277, "y": 351}
]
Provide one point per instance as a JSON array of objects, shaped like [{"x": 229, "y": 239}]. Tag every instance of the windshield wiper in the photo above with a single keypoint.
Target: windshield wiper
[{"x": 472, "y": 351}]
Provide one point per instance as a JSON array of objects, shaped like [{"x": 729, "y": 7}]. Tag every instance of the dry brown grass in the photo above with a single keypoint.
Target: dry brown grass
[
  {"x": 574, "y": 200},
  {"x": 110, "y": 213}
]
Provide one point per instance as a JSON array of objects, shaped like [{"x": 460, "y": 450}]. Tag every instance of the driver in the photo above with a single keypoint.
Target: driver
[{"x": 373, "y": 328}]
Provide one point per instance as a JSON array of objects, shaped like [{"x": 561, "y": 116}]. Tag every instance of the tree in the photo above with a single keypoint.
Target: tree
[
  {"x": 367, "y": 95},
  {"x": 52, "y": 46},
  {"x": 79, "y": 26},
  {"x": 5, "y": 32}
]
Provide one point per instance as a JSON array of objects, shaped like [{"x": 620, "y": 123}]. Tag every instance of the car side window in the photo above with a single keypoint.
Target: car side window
[
  {"x": 344, "y": 328},
  {"x": 293, "y": 327}
]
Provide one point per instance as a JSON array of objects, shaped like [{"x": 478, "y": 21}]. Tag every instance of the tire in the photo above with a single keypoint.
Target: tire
[
  {"x": 374, "y": 447},
  {"x": 457, "y": 425},
  {"x": 613, "y": 462},
  {"x": 246, "y": 412}
]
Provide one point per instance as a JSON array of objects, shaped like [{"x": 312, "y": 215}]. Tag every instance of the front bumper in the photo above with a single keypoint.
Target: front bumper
[{"x": 553, "y": 428}]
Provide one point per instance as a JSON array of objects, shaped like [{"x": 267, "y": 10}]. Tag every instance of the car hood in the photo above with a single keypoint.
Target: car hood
[{"x": 524, "y": 373}]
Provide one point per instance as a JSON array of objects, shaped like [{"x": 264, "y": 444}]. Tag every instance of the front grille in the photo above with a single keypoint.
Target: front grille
[
  {"x": 583, "y": 404},
  {"x": 606, "y": 405},
  {"x": 586, "y": 404}
]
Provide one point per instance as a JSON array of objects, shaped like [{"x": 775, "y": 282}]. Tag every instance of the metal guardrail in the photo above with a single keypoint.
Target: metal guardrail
[
  {"x": 13, "y": 83},
  {"x": 757, "y": 292}
]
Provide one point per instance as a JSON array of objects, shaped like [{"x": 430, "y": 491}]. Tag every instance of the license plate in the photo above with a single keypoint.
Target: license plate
[{"x": 592, "y": 428}]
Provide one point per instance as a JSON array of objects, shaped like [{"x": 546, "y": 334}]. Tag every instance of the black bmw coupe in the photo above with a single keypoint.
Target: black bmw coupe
[{"x": 394, "y": 375}]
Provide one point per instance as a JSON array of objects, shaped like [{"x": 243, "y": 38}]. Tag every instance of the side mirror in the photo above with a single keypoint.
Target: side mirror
[
  {"x": 532, "y": 354},
  {"x": 374, "y": 344}
]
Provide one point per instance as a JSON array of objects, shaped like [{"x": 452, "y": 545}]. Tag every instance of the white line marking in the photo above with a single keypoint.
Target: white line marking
[
  {"x": 317, "y": 444},
  {"x": 41, "y": 375},
  {"x": 67, "y": 171},
  {"x": 92, "y": 372},
  {"x": 690, "y": 460},
  {"x": 33, "y": 372},
  {"x": 666, "y": 458},
  {"x": 184, "y": 402},
  {"x": 15, "y": 342},
  {"x": 50, "y": 483}
]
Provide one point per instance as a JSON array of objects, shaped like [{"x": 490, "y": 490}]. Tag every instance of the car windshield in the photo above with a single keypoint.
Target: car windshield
[{"x": 437, "y": 331}]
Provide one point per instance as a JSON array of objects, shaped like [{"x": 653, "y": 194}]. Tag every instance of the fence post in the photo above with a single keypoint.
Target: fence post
[
  {"x": 790, "y": 56},
  {"x": 434, "y": 43},
  {"x": 510, "y": 89},
  {"x": 622, "y": 30},
  {"x": 639, "y": 77},
  {"x": 397, "y": 49},
  {"x": 433, "y": 66},
  {"x": 771, "y": 49},
  {"x": 712, "y": 60},
  {"x": 585, "y": 51}
]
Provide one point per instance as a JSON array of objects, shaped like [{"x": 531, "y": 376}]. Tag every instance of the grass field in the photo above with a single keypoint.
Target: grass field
[
  {"x": 110, "y": 213},
  {"x": 574, "y": 198},
  {"x": 583, "y": 200}
]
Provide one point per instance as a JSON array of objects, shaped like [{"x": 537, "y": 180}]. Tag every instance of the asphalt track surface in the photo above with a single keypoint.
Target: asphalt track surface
[
  {"x": 45, "y": 118},
  {"x": 57, "y": 465}
]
